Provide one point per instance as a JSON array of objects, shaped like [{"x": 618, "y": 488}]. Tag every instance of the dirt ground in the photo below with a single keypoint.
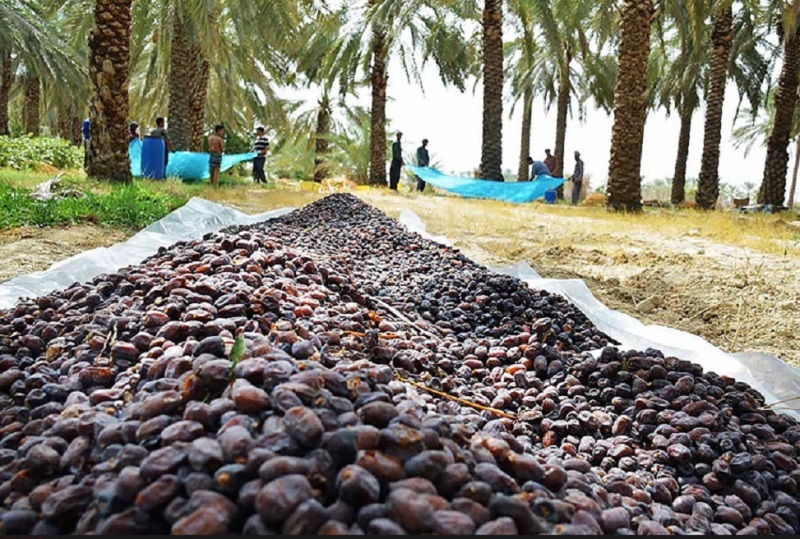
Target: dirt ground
[
  {"x": 28, "y": 249},
  {"x": 736, "y": 297}
]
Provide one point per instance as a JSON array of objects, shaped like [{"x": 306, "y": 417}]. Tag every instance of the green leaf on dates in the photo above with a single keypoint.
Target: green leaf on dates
[{"x": 237, "y": 352}]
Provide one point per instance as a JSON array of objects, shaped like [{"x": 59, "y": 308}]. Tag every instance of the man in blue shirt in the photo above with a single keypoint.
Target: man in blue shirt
[
  {"x": 538, "y": 168},
  {"x": 86, "y": 136}
]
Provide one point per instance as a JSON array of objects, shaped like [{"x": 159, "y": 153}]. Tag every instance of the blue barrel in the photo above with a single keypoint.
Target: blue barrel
[
  {"x": 550, "y": 196},
  {"x": 153, "y": 165}
]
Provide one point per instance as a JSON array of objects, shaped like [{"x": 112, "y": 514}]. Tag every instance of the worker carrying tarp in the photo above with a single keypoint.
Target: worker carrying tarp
[
  {"x": 185, "y": 165},
  {"x": 473, "y": 188}
]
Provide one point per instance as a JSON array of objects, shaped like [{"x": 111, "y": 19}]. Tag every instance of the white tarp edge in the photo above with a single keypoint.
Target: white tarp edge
[
  {"x": 773, "y": 378},
  {"x": 191, "y": 221},
  {"x": 776, "y": 380}
]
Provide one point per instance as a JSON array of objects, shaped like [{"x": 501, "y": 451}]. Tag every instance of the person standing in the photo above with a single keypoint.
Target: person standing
[
  {"x": 551, "y": 161},
  {"x": 85, "y": 129},
  {"x": 423, "y": 160},
  {"x": 537, "y": 169},
  {"x": 577, "y": 178},
  {"x": 161, "y": 132},
  {"x": 133, "y": 132},
  {"x": 397, "y": 162},
  {"x": 260, "y": 146},
  {"x": 216, "y": 147}
]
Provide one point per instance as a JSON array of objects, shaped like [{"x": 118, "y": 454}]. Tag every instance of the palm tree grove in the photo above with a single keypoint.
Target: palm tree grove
[{"x": 390, "y": 267}]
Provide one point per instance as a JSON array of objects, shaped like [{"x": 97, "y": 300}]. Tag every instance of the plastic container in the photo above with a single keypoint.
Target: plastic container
[
  {"x": 550, "y": 196},
  {"x": 153, "y": 166}
]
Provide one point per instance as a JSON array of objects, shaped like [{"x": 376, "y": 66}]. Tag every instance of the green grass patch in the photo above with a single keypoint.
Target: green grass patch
[{"x": 131, "y": 206}]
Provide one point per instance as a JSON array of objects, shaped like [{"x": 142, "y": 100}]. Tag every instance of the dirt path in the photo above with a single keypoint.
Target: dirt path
[
  {"x": 28, "y": 249},
  {"x": 735, "y": 297}
]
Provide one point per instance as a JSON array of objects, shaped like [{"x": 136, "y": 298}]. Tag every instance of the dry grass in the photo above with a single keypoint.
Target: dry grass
[{"x": 768, "y": 234}]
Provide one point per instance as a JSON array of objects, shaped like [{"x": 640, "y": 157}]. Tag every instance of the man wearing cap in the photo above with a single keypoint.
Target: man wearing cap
[
  {"x": 577, "y": 178},
  {"x": 551, "y": 161},
  {"x": 397, "y": 162},
  {"x": 260, "y": 147},
  {"x": 423, "y": 160}
]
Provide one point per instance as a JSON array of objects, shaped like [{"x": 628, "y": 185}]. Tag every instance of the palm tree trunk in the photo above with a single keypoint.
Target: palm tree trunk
[
  {"x": 630, "y": 107},
  {"x": 721, "y": 36},
  {"x": 379, "y": 79},
  {"x": 30, "y": 110},
  {"x": 109, "y": 55},
  {"x": 679, "y": 178},
  {"x": 65, "y": 123},
  {"x": 562, "y": 109},
  {"x": 5, "y": 91},
  {"x": 773, "y": 187},
  {"x": 197, "y": 107},
  {"x": 792, "y": 189},
  {"x": 492, "y": 147},
  {"x": 525, "y": 147},
  {"x": 180, "y": 79},
  {"x": 75, "y": 130},
  {"x": 321, "y": 140}
]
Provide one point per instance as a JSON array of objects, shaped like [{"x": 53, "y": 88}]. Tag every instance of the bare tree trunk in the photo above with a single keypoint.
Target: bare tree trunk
[
  {"x": 721, "y": 36},
  {"x": 773, "y": 187},
  {"x": 109, "y": 56},
  {"x": 30, "y": 112},
  {"x": 75, "y": 130},
  {"x": 562, "y": 110},
  {"x": 630, "y": 107},
  {"x": 197, "y": 107},
  {"x": 525, "y": 147},
  {"x": 492, "y": 146},
  {"x": 65, "y": 123},
  {"x": 679, "y": 178},
  {"x": 180, "y": 77},
  {"x": 379, "y": 78},
  {"x": 5, "y": 91},
  {"x": 321, "y": 140},
  {"x": 792, "y": 189}
]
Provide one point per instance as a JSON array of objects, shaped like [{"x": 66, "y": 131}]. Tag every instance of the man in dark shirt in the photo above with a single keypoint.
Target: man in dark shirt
[
  {"x": 260, "y": 146},
  {"x": 161, "y": 132},
  {"x": 423, "y": 160},
  {"x": 397, "y": 162},
  {"x": 551, "y": 162},
  {"x": 577, "y": 178}
]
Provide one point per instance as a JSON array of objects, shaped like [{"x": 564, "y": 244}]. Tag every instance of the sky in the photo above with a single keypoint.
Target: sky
[{"x": 451, "y": 121}]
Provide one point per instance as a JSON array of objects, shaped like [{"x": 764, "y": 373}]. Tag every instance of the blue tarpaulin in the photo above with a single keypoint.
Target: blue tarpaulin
[
  {"x": 184, "y": 165},
  {"x": 473, "y": 188}
]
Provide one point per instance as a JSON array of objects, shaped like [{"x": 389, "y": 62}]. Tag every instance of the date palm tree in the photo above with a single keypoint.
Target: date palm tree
[
  {"x": 109, "y": 55},
  {"x": 31, "y": 46},
  {"x": 492, "y": 145},
  {"x": 773, "y": 187},
  {"x": 567, "y": 33},
  {"x": 630, "y": 106},
  {"x": 410, "y": 31},
  {"x": 759, "y": 129},
  {"x": 721, "y": 39},
  {"x": 521, "y": 65}
]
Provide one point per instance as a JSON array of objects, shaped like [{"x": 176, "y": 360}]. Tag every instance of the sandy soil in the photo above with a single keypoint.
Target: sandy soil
[
  {"x": 739, "y": 299},
  {"x": 27, "y": 249}
]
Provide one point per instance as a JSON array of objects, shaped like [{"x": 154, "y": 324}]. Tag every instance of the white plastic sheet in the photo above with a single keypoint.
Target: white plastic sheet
[
  {"x": 773, "y": 378},
  {"x": 191, "y": 221},
  {"x": 776, "y": 380}
]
